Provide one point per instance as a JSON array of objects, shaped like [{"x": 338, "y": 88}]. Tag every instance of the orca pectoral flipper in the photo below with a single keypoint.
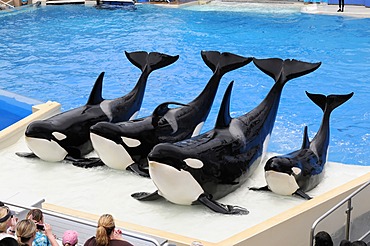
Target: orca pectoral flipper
[
  {"x": 135, "y": 168},
  {"x": 263, "y": 188},
  {"x": 302, "y": 194},
  {"x": 85, "y": 162},
  {"x": 221, "y": 208},
  {"x": 26, "y": 154},
  {"x": 146, "y": 196}
]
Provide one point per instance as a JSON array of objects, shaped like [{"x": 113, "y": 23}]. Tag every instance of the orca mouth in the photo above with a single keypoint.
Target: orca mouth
[
  {"x": 47, "y": 150},
  {"x": 281, "y": 183},
  {"x": 112, "y": 154},
  {"x": 177, "y": 186}
]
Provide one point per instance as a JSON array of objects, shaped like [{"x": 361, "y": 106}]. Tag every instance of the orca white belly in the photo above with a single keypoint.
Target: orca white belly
[
  {"x": 45, "y": 149},
  {"x": 176, "y": 186},
  {"x": 113, "y": 155},
  {"x": 281, "y": 183}
]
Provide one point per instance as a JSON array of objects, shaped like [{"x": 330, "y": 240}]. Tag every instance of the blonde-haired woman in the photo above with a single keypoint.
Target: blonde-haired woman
[
  {"x": 26, "y": 232},
  {"x": 7, "y": 223},
  {"x": 107, "y": 234}
]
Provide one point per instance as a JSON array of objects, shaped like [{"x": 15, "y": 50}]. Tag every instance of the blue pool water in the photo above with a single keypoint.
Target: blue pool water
[{"x": 57, "y": 52}]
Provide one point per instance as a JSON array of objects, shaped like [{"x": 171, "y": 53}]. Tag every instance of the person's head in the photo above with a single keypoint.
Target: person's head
[
  {"x": 345, "y": 243},
  {"x": 105, "y": 228},
  {"x": 8, "y": 241},
  {"x": 323, "y": 238},
  {"x": 25, "y": 231},
  {"x": 35, "y": 215},
  {"x": 5, "y": 217},
  {"x": 359, "y": 243},
  {"x": 70, "y": 238}
]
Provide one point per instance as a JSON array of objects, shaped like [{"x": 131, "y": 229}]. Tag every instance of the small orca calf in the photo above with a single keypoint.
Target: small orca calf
[
  {"x": 68, "y": 134},
  {"x": 207, "y": 167},
  {"x": 303, "y": 169},
  {"x": 126, "y": 145}
]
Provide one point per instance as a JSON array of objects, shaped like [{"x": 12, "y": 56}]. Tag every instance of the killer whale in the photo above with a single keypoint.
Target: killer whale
[
  {"x": 126, "y": 145},
  {"x": 207, "y": 167},
  {"x": 67, "y": 134},
  {"x": 303, "y": 169}
]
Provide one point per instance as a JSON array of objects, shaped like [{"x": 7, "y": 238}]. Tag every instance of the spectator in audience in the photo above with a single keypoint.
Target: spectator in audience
[
  {"x": 26, "y": 232},
  {"x": 44, "y": 233},
  {"x": 70, "y": 238},
  {"x": 7, "y": 222},
  {"x": 107, "y": 234},
  {"x": 323, "y": 238},
  {"x": 355, "y": 243},
  {"x": 8, "y": 241}
]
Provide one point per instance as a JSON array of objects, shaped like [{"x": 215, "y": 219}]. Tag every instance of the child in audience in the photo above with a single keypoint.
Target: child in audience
[
  {"x": 44, "y": 234},
  {"x": 70, "y": 238}
]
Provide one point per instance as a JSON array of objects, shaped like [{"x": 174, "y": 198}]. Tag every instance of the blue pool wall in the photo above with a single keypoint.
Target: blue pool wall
[{"x": 14, "y": 107}]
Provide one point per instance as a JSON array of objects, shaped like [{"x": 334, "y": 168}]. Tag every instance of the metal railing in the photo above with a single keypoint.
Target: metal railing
[
  {"x": 348, "y": 211},
  {"x": 88, "y": 223}
]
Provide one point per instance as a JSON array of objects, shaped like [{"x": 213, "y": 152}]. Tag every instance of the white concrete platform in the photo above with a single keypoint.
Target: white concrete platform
[{"x": 326, "y": 9}]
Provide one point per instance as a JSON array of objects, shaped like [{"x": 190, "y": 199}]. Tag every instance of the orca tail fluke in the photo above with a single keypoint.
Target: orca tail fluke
[
  {"x": 329, "y": 103},
  {"x": 225, "y": 61},
  {"x": 285, "y": 70},
  {"x": 152, "y": 60},
  {"x": 96, "y": 92}
]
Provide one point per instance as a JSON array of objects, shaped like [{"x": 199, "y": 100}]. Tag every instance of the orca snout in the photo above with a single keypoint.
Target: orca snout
[
  {"x": 39, "y": 129},
  {"x": 107, "y": 130}
]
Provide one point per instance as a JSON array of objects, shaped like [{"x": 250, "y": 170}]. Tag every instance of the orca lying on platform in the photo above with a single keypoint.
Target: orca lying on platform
[
  {"x": 303, "y": 169},
  {"x": 68, "y": 133},
  {"x": 126, "y": 145},
  {"x": 210, "y": 166}
]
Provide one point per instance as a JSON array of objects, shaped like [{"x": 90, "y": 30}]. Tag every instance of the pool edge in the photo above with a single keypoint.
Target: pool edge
[{"x": 12, "y": 133}]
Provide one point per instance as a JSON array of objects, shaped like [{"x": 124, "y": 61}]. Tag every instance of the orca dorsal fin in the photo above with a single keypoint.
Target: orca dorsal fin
[
  {"x": 224, "y": 118},
  {"x": 329, "y": 103},
  {"x": 96, "y": 92},
  {"x": 154, "y": 60},
  {"x": 285, "y": 70},
  {"x": 225, "y": 61},
  {"x": 306, "y": 140}
]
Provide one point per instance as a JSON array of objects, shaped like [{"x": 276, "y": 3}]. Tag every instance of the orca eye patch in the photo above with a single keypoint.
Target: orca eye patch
[
  {"x": 194, "y": 163},
  {"x": 130, "y": 142},
  {"x": 59, "y": 136},
  {"x": 296, "y": 170}
]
